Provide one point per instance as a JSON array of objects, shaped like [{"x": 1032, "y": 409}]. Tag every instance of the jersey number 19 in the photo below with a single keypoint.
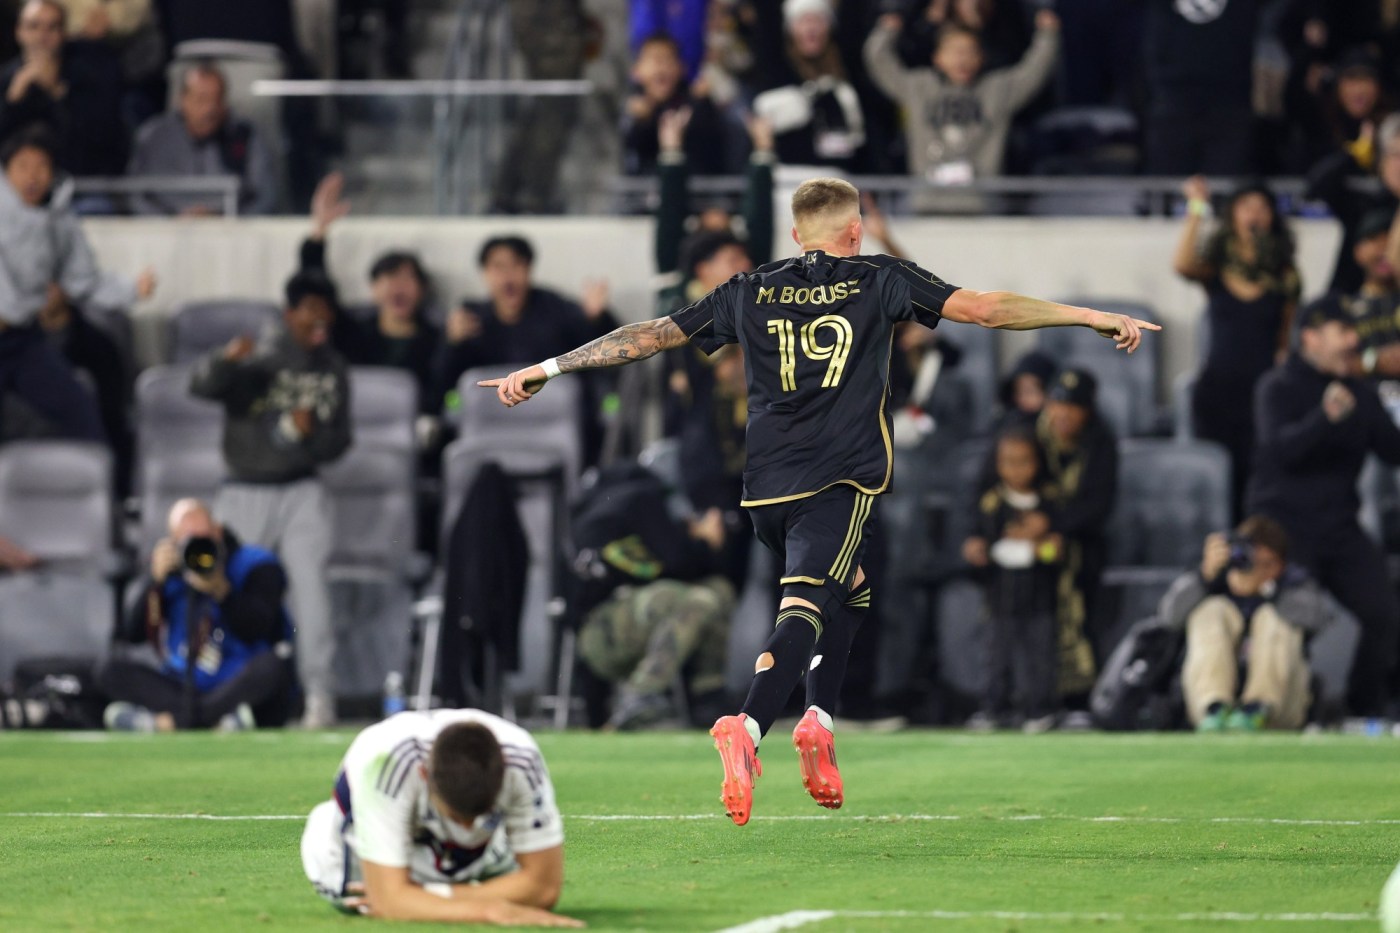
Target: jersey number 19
[{"x": 834, "y": 353}]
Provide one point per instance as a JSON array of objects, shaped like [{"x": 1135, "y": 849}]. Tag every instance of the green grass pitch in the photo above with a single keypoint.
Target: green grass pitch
[{"x": 941, "y": 831}]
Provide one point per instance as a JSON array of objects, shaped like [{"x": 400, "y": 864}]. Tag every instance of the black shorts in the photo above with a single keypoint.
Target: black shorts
[{"x": 820, "y": 539}]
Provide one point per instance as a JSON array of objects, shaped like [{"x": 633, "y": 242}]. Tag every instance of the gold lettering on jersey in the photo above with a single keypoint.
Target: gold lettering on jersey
[
  {"x": 815, "y": 295},
  {"x": 787, "y": 352},
  {"x": 837, "y": 351}
]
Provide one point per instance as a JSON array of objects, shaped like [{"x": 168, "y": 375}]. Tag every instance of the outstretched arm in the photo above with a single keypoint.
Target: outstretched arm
[
  {"x": 1009, "y": 311},
  {"x": 627, "y": 344}
]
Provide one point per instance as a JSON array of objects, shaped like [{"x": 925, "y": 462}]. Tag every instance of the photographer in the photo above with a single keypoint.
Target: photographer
[
  {"x": 1245, "y": 589},
  {"x": 243, "y": 673},
  {"x": 1315, "y": 426}
]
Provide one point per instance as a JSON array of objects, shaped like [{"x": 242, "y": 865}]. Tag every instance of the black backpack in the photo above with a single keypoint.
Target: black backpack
[
  {"x": 1137, "y": 688},
  {"x": 53, "y": 693}
]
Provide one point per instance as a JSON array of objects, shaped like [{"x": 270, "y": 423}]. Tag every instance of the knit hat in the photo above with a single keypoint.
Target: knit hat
[
  {"x": 1373, "y": 223},
  {"x": 792, "y": 9}
]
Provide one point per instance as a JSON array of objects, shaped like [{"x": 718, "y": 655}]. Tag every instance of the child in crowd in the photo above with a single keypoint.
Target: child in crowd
[{"x": 1017, "y": 553}]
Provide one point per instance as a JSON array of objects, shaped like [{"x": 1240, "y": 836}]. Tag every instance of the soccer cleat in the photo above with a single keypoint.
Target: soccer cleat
[
  {"x": 1248, "y": 718},
  {"x": 816, "y": 754},
  {"x": 741, "y": 766},
  {"x": 1214, "y": 719}
]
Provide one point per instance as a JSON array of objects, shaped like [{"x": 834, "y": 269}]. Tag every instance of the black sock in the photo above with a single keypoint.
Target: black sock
[
  {"x": 790, "y": 646},
  {"x": 834, "y": 648}
]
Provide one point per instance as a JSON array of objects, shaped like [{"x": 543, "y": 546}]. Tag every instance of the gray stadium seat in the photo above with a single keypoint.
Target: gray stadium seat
[
  {"x": 169, "y": 477},
  {"x": 198, "y": 327},
  {"x": 1171, "y": 494},
  {"x": 550, "y": 421},
  {"x": 56, "y": 502},
  {"x": 978, "y": 367},
  {"x": 383, "y": 406},
  {"x": 373, "y": 564},
  {"x": 170, "y": 419},
  {"x": 1132, "y": 380},
  {"x": 539, "y": 467}
]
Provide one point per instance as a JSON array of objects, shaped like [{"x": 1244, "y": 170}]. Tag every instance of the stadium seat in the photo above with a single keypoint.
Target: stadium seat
[
  {"x": 1127, "y": 384},
  {"x": 56, "y": 502},
  {"x": 548, "y": 422},
  {"x": 1171, "y": 494},
  {"x": 198, "y": 327},
  {"x": 978, "y": 367},
  {"x": 374, "y": 566},
  {"x": 383, "y": 406},
  {"x": 539, "y": 466},
  {"x": 1183, "y": 425},
  {"x": 167, "y": 478}
]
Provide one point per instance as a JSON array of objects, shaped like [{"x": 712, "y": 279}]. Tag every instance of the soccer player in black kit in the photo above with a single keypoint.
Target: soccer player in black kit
[{"x": 817, "y": 332}]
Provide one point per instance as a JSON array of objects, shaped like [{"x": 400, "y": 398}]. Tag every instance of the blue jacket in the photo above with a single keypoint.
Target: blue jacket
[{"x": 223, "y": 654}]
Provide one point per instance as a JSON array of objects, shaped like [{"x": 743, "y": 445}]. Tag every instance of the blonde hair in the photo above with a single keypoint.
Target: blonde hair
[{"x": 821, "y": 203}]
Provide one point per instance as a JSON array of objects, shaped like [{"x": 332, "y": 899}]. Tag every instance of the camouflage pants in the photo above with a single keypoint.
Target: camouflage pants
[{"x": 645, "y": 635}]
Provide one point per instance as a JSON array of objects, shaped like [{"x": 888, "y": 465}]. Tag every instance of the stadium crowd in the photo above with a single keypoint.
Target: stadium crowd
[{"x": 1021, "y": 499}]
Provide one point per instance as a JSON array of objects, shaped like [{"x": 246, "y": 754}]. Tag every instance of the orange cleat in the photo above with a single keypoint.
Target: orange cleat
[
  {"x": 741, "y": 766},
  {"x": 816, "y": 754}
]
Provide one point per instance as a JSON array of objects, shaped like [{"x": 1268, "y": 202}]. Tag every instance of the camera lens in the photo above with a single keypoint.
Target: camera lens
[{"x": 201, "y": 556}]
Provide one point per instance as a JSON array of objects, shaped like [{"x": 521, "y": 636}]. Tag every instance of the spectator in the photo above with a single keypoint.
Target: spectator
[
  {"x": 1341, "y": 112},
  {"x": 551, "y": 36},
  {"x": 519, "y": 321},
  {"x": 1081, "y": 455},
  {"x": 204, "y": 579},
  {"x": 1315, "y": 425},
  {"x": 685, "y": 22},
  {"x": 1022, "y": 393},
  {"x": 1199, "y": 60},
  {"x": 659, "y": 76},
  {"x": 203, "y": 137},
  {"x": 286, "y": 413},
  {"x": 1246, "y": 268},
  {"x": 1246, "y": 597},
  {"x": 1016, "y": 552},
  {"x": 1331, "y": 180},
  {"x": 657, "y": 607},
  {"x": 1001, "y": 27},
  {"x": 399, "y": 335},
  {"x": 126, "y": 29},
  {"x": 1376, "y": 306},
  {"x": 75, "y": 94},
  {"x": 43, "y": 244},
  {"x": 958, "y": 117},
  {"x": 90, "y": 349},
  {"x": 805, "y": 93}
]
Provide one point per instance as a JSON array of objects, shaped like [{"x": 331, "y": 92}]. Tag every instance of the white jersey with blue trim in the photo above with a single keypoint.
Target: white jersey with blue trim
[{"x": 382, "y": 789}]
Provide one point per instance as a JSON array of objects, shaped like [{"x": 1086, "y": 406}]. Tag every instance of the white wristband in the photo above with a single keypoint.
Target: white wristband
[{"x": 550, "y": 367}]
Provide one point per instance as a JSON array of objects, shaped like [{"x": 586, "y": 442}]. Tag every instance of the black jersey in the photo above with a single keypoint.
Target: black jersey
[{"x": 817, "y": 331}]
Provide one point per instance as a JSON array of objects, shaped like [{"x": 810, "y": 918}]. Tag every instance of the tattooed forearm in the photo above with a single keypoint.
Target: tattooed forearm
[{"x": 625, "y": 345}]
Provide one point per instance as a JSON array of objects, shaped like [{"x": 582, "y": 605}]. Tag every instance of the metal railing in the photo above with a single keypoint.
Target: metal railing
[
  {"x": 225, "y": 187},
  {"x": 1092, "y": 195}
]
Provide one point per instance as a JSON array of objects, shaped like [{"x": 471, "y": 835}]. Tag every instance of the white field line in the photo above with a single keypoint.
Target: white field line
[
  {"x": 800, "y": 918},
  {"x": 696, "y": 817},
  {"x": 699, "y": 817}
]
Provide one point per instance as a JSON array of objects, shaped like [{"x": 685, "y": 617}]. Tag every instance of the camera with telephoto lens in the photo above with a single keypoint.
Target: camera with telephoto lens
[
  {"x": 1241, "y": 553},
  {"x": 201, "y": 556}
]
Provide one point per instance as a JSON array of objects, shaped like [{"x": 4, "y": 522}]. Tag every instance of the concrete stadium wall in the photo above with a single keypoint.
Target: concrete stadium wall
[{"x": 1118, "y": 258}]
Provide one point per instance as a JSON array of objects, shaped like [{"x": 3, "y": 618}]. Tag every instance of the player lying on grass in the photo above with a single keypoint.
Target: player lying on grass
[
  {"x": 816, "y": 332},
  {"x": 446, "y": 815}
]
